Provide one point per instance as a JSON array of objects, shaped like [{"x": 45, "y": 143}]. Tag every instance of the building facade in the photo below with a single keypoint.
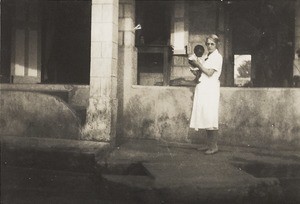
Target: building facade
[{"x": 121, "y": 65}]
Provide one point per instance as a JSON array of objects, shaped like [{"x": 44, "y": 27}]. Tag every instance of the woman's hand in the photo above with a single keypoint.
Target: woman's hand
[
  {"x": 193, "y": 63},
  {"x": 194, "y": 72},
  {"x": 208, "y": 72}
]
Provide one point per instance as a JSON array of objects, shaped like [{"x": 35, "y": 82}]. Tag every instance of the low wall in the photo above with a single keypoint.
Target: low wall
[
  {"x": 75, "y": 95},
  {"x": 34, "y": 114},
  {"x": 261, "y": 117}
]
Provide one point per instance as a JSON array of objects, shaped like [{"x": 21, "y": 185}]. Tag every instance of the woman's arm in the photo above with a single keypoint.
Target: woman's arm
[
  {"x": 196, "y": 72},
  {"x": 207, "y": 71}
]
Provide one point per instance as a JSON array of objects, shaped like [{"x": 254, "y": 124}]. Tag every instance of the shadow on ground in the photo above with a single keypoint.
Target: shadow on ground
[{"x": 147, "y": 171}]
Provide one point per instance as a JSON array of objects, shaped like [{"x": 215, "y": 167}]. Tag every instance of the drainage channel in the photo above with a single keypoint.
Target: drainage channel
[
  {"x": 128, "y": 183},
  {"x": 288, "y": 176},
  {"x": 134, "y": 169}
]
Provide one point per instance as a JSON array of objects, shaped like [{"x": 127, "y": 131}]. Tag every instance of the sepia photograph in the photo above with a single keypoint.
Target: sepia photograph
[{"x": 150, "y": 102}]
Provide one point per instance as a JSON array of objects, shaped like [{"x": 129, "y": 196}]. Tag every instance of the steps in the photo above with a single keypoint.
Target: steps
[{"x": 43, "y": 170}]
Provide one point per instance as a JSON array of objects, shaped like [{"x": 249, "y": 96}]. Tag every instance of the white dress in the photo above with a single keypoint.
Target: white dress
[{"x": 205, "y": 113}]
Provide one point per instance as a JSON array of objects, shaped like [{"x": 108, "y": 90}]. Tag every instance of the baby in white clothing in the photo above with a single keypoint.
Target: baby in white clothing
[
  {"x": 198, "y": 52},
  {"x": 193, "y": 57}
]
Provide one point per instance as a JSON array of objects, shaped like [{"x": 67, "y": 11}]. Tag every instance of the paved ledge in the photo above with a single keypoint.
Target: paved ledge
[
  {"x": 179, "y": 173},
  {"x": 56, "y": 145},
  {"x": 145, "y": 171},
  {"x": 51, "y": 154}
]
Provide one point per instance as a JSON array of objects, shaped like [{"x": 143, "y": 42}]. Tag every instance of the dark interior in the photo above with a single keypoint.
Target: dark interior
[
  {"x": 265, "y": 29},
  {"x": 154, "y": 17},
  {"x": 66, "y": 42},
  {"x": 5, "y": 43}
]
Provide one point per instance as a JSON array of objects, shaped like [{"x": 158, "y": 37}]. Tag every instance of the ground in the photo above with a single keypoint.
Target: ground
[{"x": 145, "y": 171}]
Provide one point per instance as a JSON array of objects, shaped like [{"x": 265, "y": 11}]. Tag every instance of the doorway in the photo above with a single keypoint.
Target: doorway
[{"x": 66, "y": 42}]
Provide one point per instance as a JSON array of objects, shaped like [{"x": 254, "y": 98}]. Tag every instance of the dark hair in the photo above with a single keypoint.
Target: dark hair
[{"x": 199, "y": 48}]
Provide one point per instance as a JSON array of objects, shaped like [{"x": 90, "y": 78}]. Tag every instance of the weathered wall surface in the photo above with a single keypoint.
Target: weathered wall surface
[
  {"x": 102, "y": 109},
  {"x": 252, "y": 117},
  {"x": 32, "y": 114},
  {"x": 75, "y": 95},
  {"x": 158, "y": 112}
]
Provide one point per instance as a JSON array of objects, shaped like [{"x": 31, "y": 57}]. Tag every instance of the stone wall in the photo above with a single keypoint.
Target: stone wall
[{"x": 252, "y": 117}]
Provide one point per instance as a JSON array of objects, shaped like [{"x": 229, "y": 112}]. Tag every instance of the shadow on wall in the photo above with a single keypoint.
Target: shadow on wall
[{"x": 32, "y": 114}]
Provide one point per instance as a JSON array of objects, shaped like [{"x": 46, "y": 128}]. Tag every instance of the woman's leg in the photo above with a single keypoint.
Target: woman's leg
[
  {"x": 205, "y": 146},
  {"x": 212, "y": 138}
]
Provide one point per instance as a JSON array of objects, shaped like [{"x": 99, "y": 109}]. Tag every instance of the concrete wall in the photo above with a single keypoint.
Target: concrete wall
[
  {"x": 74, "y": 95},
  {"x": 33, "y": 114},
  {"x": 253, "y": 117},
  {"x": 259, "y": 117},
  {"x": 39, "y": 110}
]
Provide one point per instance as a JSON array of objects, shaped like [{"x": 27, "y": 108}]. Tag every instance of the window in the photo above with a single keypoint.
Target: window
[
  {"x": 45, "y": 41},
  {"x": 242, "y": 71},
  {"x": 153, "y": 42}
]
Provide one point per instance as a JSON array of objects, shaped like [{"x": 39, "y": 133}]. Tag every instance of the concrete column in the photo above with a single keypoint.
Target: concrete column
[
  {"x": 127, "y": 41},
  {"x": 0, "y": 38},
  {"x": 297, "y": 24},
  {"x": 225, "y": 34},
  {"x": 102, "y": 110},
  {"x": 296, "y": 73},
  {"x": 127, "y": 60}
]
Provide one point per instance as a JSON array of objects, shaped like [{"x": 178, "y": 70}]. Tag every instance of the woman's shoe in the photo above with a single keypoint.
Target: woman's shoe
[{"x": 211, "y": 151}]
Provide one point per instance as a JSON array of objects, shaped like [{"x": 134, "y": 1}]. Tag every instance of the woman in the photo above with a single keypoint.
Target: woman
[{"x": 205, "y": 111}]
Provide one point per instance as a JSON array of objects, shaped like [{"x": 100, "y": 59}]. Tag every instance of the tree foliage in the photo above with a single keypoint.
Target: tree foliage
[{"x": 245, "y": 69}]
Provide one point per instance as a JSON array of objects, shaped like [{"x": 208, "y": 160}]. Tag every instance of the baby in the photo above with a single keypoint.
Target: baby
[
  {"x": 193, "y": 57},
  {"x": 198, "y": 52}
]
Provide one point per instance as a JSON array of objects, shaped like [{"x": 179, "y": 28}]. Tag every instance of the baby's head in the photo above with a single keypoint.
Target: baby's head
[
  {"x": 199, "y": 50},
  {"x": 298, "y": 53}
]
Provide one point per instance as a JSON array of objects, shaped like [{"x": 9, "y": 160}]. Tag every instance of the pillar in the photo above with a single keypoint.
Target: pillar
[
  {"x": 224, "y": 31},
  {"x": 296, "y": 65},
  {"x": 1, "y": 40},
  {"x": 102, "y": 109},
  {"x": 297, "y": 24},
  {"x": 127, "y": 60}
]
